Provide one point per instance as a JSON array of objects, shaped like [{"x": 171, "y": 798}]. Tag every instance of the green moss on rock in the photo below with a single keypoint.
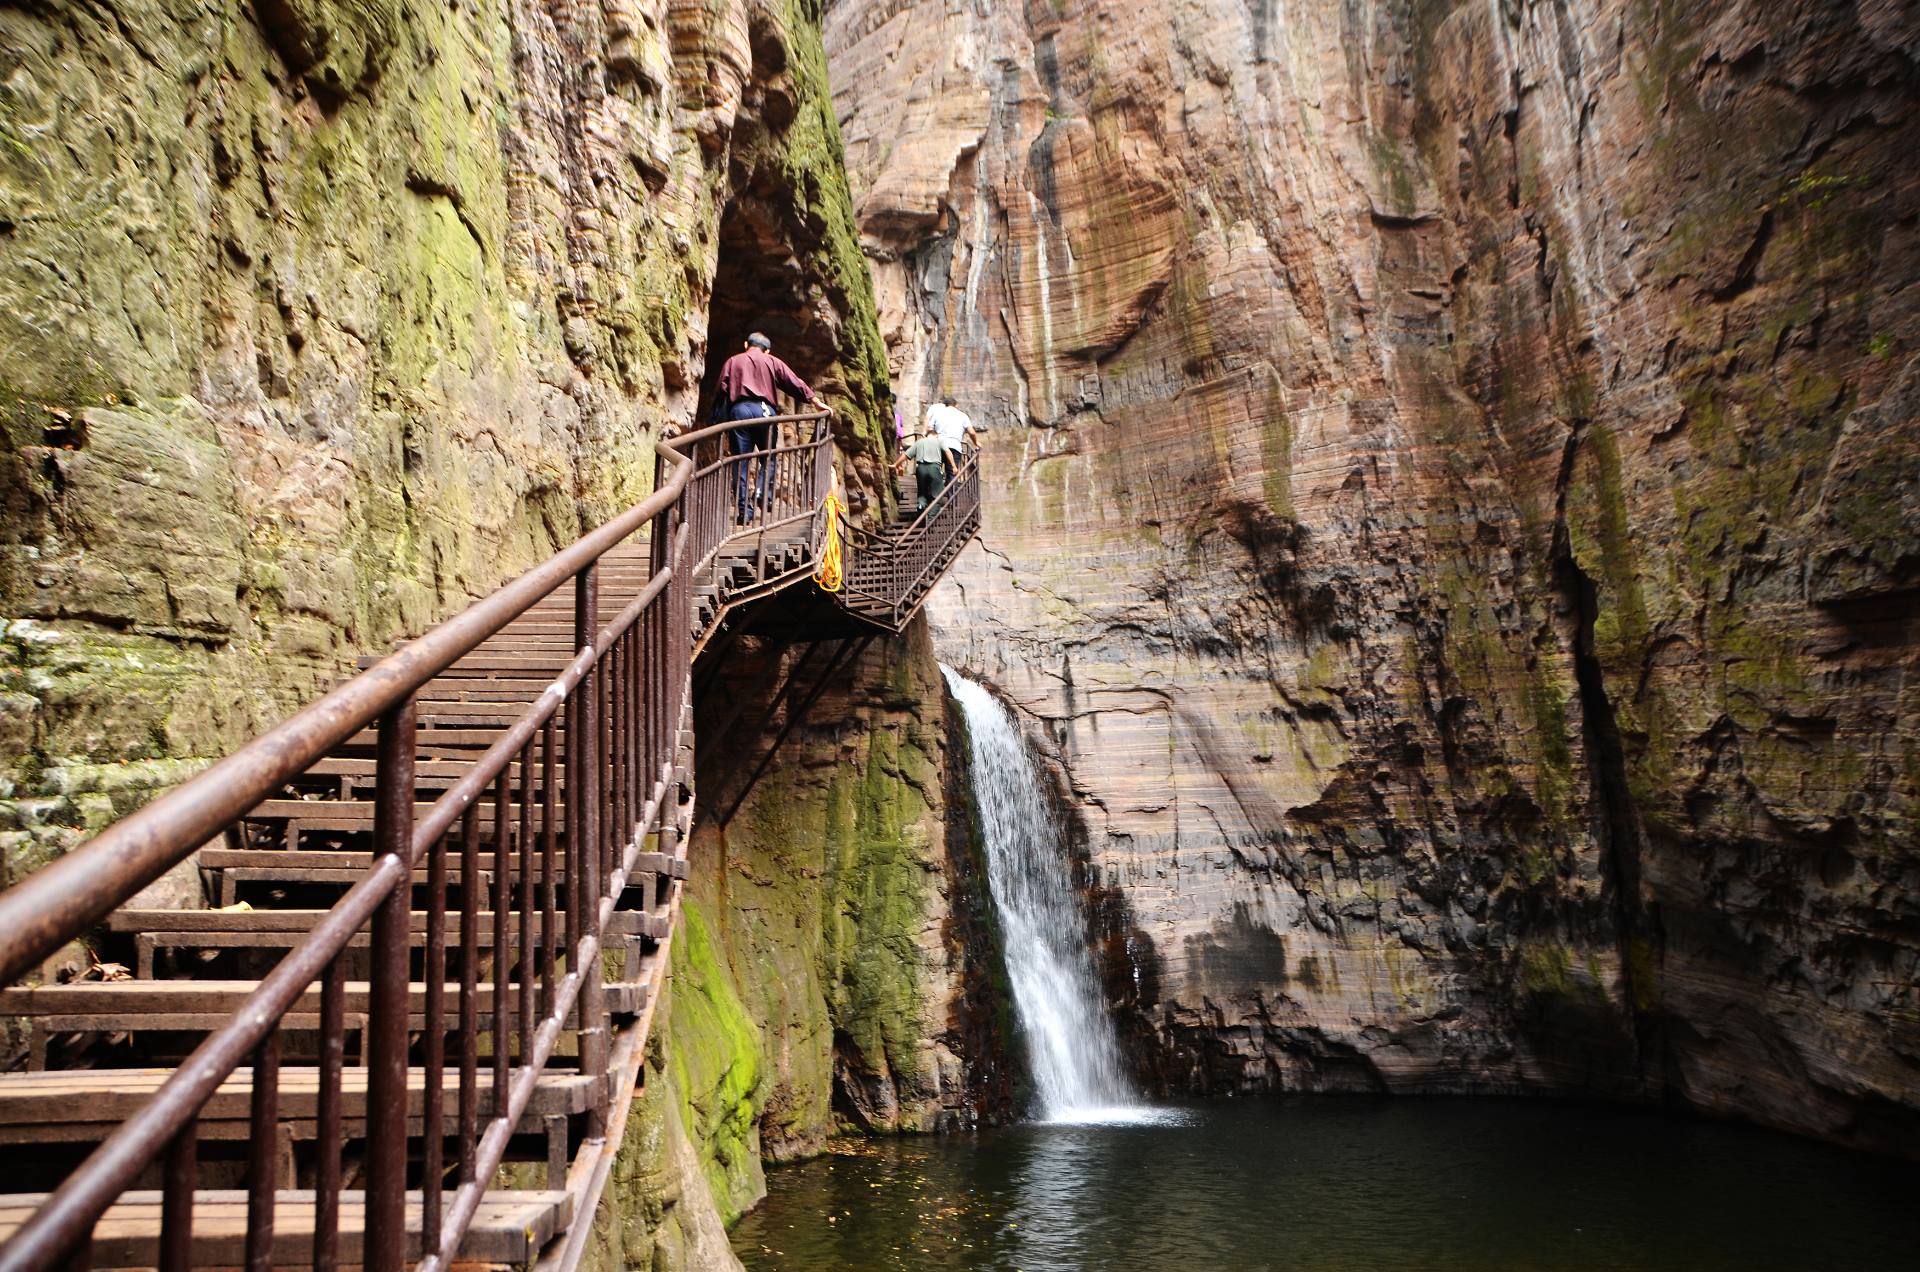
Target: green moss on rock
[
  {"x": 875, "y": 906},
  {"x": 715, "y": 1059}
]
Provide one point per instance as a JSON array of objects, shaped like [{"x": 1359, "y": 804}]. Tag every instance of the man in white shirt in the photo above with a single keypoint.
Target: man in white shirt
[{"x": 954, "y": 429}]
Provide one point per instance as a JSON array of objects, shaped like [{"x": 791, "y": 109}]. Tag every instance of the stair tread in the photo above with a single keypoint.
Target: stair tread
[
  {"x": 90, "y": 1096},
  {"x": 508, "y": 1227},
  {"x": 339, "y": 858},
  {"x": 133, "y": 997},
  {"x": 357, "y": 809},
  {"x": 152, "y": 922}
]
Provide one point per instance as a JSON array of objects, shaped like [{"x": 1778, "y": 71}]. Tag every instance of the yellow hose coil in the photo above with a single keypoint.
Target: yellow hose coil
[{"x": 830, "y": 575}]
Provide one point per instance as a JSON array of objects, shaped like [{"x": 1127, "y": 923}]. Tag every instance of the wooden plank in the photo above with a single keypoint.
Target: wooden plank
[
  {"x": 508, "y": 1227},
  {"x": 82, "y": 1097},
  {"x": 491, "y": 690},
  {"x": 486, "y": 662},
  {"x": 352, "y": 814},
  {"x": 345, "y": 859},
  {"x": 443, "y": 709},
  {"x": 345, "y": 877},
  {"x": 157, "y": 923},
  {"x": 661, "y": 863},
  {"x": 423, "y": 770},
  {"x": 134, "y": 1000},
  {"x": 463, "y": 737}
]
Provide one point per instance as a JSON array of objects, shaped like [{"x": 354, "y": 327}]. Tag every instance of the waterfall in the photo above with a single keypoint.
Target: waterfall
[{"x": 1071, "y": 1045}]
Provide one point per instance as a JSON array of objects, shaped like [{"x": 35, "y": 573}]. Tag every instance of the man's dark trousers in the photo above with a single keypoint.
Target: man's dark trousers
[
  {"x": 929, "y": 480},
  {"x": 745, "y": 440}
]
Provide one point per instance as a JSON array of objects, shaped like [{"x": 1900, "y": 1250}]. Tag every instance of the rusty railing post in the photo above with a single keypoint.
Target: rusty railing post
[
  {"x": 433, "y": 1019},
  {"x": 263, "y": 1147},
  {"x": 583, "y": 749},
  {"x": 386, "y": 1236},
  {"x": 328, "y": 1130},
  {"x": 180, "y": 1175}
]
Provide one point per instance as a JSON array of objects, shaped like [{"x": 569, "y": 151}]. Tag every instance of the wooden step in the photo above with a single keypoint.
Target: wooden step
[
  {"x": 488, "y": 664},
  {"x": 548, "y": 624},
  {"x": 357, "y": 814},
  {"x": 356, "y": 862},
  {"x": 69, "y": 1106},
  {"x": 296, "y": 818},
  {"x": 349, "y": 776},
  {"x": 227, "y": 890},
  {"x": 556, "y": 645},
  {"x": 493, "y": 689},
  {"x": 154, "y": 930},
  {"x": 267, "y": 922},
  {"x": 352, "y": 859},
  {"x": 485, "y": 662},
  {"x": 195, "y": 1005},
  {"x": 433, "y": 710},
  {"x": 435, "y": 741},
  {"x": 508, "y": 1228}
]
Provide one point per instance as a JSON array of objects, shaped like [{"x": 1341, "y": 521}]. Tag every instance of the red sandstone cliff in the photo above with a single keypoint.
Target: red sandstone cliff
[{"x": 1453, "y": 514}]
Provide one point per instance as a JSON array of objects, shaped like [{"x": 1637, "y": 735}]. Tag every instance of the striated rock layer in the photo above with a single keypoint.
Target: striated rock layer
[{"x": 1452, "y": 513}]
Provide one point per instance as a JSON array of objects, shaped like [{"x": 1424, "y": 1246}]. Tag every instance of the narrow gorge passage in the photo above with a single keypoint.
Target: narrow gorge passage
[
  {"x": 1424, "y": 521},
  {"x": 1073, "y": 1054}
]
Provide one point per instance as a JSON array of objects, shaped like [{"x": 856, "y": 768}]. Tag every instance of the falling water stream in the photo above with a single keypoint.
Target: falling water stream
[
  {"x": 1103, "y": 1183},
  {"x": 1071, "y": 1046}
]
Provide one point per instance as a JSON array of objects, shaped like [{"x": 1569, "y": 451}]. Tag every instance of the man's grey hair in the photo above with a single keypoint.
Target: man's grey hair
[{"x": 759, "y": 341}]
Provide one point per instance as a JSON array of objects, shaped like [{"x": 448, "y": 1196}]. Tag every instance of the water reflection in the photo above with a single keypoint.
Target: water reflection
[{"x": 1344, "y": 1184}]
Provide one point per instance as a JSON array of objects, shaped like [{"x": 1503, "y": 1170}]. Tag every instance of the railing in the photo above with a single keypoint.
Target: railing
[
  {"x": 889, "y": 572},
  {"x": 617, "y": 706},
  {"x": 761, "y": 490}
]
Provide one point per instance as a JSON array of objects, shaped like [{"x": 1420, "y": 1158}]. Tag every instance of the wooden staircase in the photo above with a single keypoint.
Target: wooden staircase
[
  {"x": 409, "y": 1027},
  {"x": 291, "y": 858}
]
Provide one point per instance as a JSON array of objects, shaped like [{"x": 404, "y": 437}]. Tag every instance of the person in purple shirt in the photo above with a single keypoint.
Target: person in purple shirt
[{"x": 748, "y": 383}]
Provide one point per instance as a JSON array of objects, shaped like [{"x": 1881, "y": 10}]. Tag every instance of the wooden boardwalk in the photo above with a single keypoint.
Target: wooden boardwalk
[{"x": 457, "y": 876}]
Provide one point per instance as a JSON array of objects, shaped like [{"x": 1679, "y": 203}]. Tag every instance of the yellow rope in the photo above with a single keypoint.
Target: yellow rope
[{"x": 830, "y": 575}]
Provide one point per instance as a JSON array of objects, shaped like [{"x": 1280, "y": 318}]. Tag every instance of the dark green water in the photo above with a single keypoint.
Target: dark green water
[{"x": 1345, "y": 1183}]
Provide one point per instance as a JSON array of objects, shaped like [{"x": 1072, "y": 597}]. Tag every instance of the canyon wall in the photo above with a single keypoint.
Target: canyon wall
[
  {"x": 1451, "y": 515},
  {"x": 318, "y": 319}
]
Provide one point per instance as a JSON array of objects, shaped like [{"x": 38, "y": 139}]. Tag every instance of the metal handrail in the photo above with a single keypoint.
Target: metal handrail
[
  {"x": 715, "y": 485},
  {"x": 71, "y": 894},
  {"x": 969, "y": 466},
  {"x": 893, "y": 568},
  {"x": 625, "y": 694}
]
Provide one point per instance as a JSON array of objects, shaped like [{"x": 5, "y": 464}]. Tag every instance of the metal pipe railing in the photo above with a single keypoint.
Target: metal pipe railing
[
  {"x": 892, "y": 570},
  {"x": 560, "y": 854}
]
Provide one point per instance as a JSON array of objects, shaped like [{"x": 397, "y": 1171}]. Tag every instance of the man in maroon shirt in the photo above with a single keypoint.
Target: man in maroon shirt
[{"x": 748, "y": 383}]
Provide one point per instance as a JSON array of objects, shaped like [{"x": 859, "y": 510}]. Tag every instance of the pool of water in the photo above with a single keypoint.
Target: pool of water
[{"x": 1343, "y": 1183}]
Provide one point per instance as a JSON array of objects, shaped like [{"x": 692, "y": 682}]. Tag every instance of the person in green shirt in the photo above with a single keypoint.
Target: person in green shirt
[{"x": 927, "y": 454}]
